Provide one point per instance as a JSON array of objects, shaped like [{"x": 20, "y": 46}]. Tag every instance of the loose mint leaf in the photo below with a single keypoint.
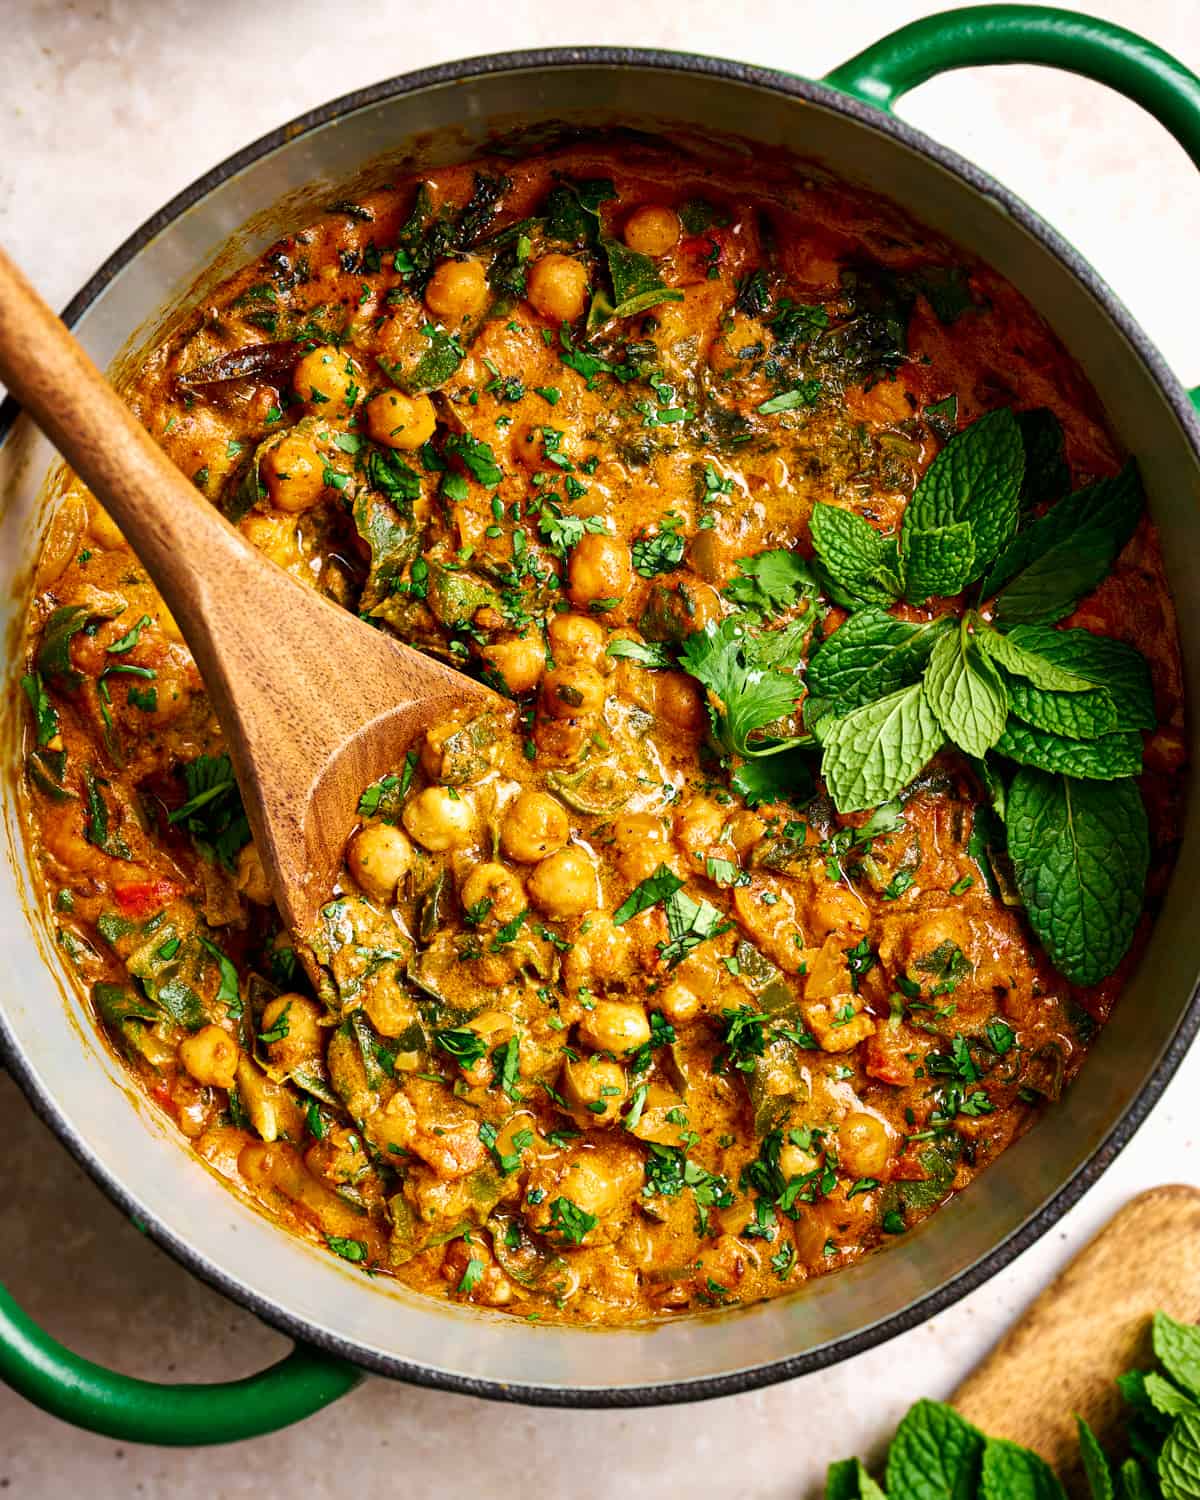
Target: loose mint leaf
[
  {"x": 1095, "y": 1465},
  {"x": 965, "y": 692},
  {"x": 1113, "y": 666},
  {"x": 975, "y": 480},
  {"x": 1177, "y": 1346},
  {"x": 870, "y": 656},
  {"x": 854, "y": 553},
  {"x": 1011, "y": 1472},
  {"x": 1080, "y": 852},
  {"x": 750, "y": 676},
  {"x": 1023, "y": 660},
  {"x": 935, "y": 1455},
  {"x": 875, "y": 751},
  {"x": 941, "y": 561},
  {"x": 1047, "y": 476},
  {"x": 1105, "y": 759},
  {"x": 1052, "y": 563},
  {"x": 774, "y": 778},
  {"x": 1166, "y": 1397},
  {"x": 771, "y": 582},
  {"x": 1179, "y": 1461}
]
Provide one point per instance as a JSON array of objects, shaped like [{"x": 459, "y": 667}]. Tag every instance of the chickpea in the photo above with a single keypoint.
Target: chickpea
[
  {"x": 745, "y": 830},
  {"x": 633, "y": 829},
  {"x": 457, "y": 290},
  {"x": 324, "y": 381},
  {"x": 836, "y": 909},
  {"x": 557, "y": 287},
  {"x": 439, "y": 819},
  {"x": 652, "y": 229},
  {"x": 794, "y": 1161},
  {"x": 699, "y": 825},
  {"x": 594, "y": 1087},
  {"x": 399, "y": 421},
  {"x": 678, "y": 1003},
  {"x": 379, "y": 858},
  {"x": 295, "y": 1018},
  {"x": 564, "y": 884},
  {"x": 533, "y": 827},
  {"x": 576, "y": 640},
  {"x": 678, "y": 702},
  {"x": 499, "y": 887},
  {"x": 519, "y": 663},
  {"x": 572, "y": 692},
  {"x": 210, "y": 1057},
  {"x": 251, "y": 878},
  {"x": 601, "y": 567},
  {"x": 600, "y": 952},
  {"x": 864, "y": 1145},
  {"x": 616, "y": 1026},
  {"x": 294, "y": 474}
]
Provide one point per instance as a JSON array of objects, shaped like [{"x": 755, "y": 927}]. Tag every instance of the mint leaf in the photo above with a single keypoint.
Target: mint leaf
[
  {"x": 841, "y": 1480},
  {"x": 935, "y": 1455},
  {"x": 941, "y": 561},
  {"x": 975, "y": 480},
  {"x": 1095, "y": 1465},
  {"x": 871, "y": 655},
  {"x": 771, "y": 582},
  {"x": 857, "y": 557},
  {"x": 1179, "y": 1461},
  {"x": 1050, "y": 565},
  {"x": 1105, "y": 759},
  {"x": 1076, "y": 716},
  {"x": 965, "y": 692},
  {"x": 1177, "y": 1346},
  {"x": 1080, "y": 852},
  {"x": 1011, "y": 1472},
  {"x": 1166, "y": 1397},
  {"x": 1023, "y": 660},
  {"x": 1113, "y": 666},
  {"x": 1047, "y": 477},
  {"x": 874, "y": 751}
]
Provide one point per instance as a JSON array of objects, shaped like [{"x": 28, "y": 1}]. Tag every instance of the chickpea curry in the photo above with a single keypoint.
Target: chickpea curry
[{"x": 836, "y": 770}]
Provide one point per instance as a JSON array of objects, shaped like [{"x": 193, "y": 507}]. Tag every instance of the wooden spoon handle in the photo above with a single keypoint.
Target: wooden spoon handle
[{"x": 181, "y": 539}]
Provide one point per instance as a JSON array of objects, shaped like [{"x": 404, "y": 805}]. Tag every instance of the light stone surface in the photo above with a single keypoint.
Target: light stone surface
[{"x": 106, "y": 110}]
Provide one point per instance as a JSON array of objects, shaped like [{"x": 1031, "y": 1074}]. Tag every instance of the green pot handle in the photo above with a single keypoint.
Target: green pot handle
[
  {"x": 985, "y": 34},
  {"x": 141, "y": 1411}
]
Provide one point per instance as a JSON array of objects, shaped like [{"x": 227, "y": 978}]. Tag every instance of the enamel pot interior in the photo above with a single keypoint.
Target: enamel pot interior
[{"x": 79, "y": 1088}]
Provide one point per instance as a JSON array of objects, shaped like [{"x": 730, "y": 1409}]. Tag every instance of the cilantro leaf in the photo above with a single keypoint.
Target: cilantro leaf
[
  {"x": 771, "y": 582},
  {"x": 1080, "y": 853},
  {"x": 751, "y": 679},
  {"x": 774, "y": 778}
]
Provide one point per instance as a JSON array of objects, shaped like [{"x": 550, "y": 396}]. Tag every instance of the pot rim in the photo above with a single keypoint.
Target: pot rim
[{"x": 1107, "y": 1149}]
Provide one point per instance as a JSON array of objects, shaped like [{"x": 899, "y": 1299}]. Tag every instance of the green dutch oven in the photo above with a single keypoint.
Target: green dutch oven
[{"x": 342, "y": 1322}]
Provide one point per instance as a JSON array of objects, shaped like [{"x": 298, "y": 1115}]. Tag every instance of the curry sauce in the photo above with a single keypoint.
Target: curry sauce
[{"x": 634, "y": 998}]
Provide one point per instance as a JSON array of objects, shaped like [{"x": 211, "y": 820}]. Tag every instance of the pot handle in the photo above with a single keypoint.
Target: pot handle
[
  {"x": 142, "y": 1411},
  {"x": 983, "y": 34}
]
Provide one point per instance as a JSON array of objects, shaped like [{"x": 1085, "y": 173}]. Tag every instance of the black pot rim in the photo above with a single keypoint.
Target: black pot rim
[{"x": 1123, "y": 1130}]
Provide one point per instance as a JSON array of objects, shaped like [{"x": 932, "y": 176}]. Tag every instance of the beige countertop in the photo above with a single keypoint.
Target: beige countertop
[{"x": 108, "y": 109}]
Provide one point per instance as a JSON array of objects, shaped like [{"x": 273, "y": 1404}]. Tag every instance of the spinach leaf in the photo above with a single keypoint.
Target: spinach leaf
[
  {"x": 54, "y": 655},
  {"x": 1011, "y": 1472},
  {"x": 1080, "y": 853},
  {"x": 45, "y": 715},
  {"x": 965, "y": 692},
  {"x": 213, "y": 814},
  {"x": 393, "y": 542},
  {"x": 1050, "y": 565},
  {"x": 871, "y": 655},
  {"x": 859, "y": 559},
  {"x": 572, "y": 210},
  {"x": 873, "y": 752},
  {"x": 974, "y": 482},
  {"x": 636, "y": 284},
  {"x": 935, "y": 1455},
  {"x": 1047, "y": 477},
  {"x": 1108, "y": 758}
]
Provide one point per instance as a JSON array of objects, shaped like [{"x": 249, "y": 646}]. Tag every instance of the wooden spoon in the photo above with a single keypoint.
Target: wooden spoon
[{"x": 314, "y": 705}]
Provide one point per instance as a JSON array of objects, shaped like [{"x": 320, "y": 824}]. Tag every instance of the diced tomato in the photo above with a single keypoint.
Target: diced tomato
[
  {"x": 886, "y": 1057},
  {"x": 141, "y": 897}
]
